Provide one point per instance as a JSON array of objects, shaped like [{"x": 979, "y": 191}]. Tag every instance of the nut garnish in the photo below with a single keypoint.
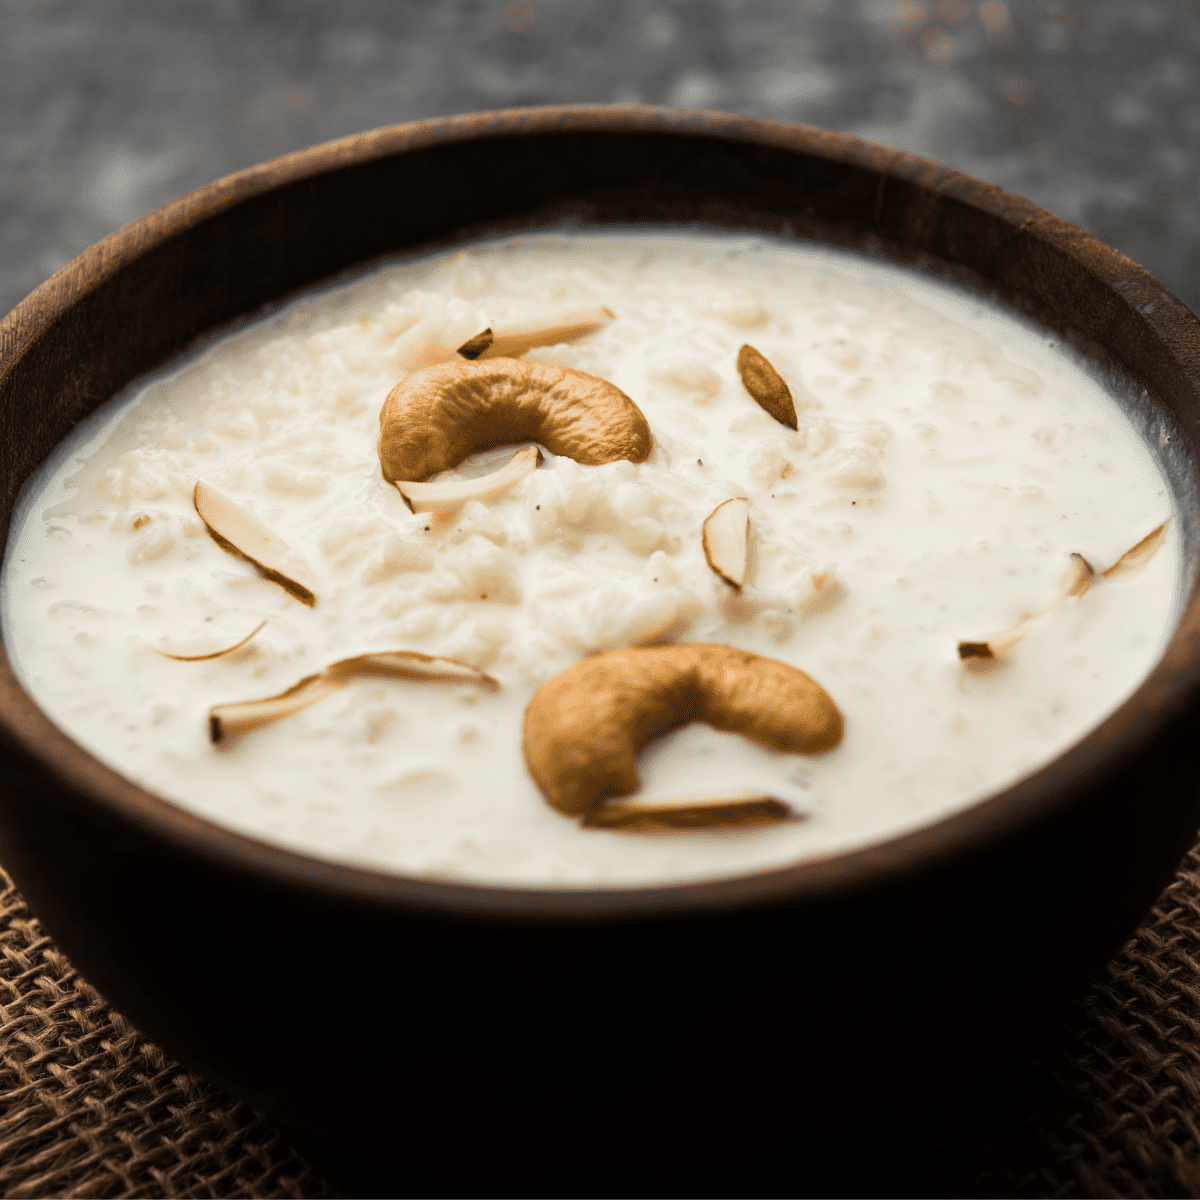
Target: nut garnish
[
  {"x": 238, "y": 531},
  {"x": 766, "y": 386},
  {"x": 1079, "y": 577},
  {"x": 473, "y": 347},
  {"x": 513, "y": 339},
  {"x": 410, "y": 664},
  {"x": 1134, "y": 559},
  {"x": 229, "y": 720},
  {"x": 749, "y": 809},
  {"x": 584, "y": 728},
  {"x": 1075, "y": 581},
  {"x": 436, "y": 417},
  {"x": 725, "y": 540},
  {"x": 204, "y": 648},
  {"x": 453, "y": 493}
]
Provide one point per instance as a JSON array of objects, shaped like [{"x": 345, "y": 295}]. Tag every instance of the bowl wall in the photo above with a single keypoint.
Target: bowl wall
[{"x": 465, "y": 1028}]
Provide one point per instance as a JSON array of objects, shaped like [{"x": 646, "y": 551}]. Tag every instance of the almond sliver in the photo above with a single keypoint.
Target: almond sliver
[
  {"x": 200, "y": 649},
  {"x": 679, "y": 815},
  {"x": 446, "y": 495},
  {"x": 511, "y": 340},
  {"x": 237, "y": 530},
  {"x": 725, "y": 539}
]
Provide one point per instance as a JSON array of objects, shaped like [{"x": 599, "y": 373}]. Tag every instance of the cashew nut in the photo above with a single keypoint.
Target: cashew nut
[
  {"x": 436, "y": 417},
  {"x": 584, "y": 728}
]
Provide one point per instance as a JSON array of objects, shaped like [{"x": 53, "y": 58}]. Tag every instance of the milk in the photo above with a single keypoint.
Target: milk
[{"x": 949, "y": 459}]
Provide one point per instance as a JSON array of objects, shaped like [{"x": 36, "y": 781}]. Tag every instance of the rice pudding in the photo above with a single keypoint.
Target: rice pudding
[{"x": 948, "y": 461}]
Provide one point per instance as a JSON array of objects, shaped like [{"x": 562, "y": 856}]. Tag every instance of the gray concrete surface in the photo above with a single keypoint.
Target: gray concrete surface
[{"x": 110, "y": 107}]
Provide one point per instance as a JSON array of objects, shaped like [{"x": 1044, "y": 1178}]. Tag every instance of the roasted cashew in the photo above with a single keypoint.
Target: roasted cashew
[
  {"x": 436, "y": 417},
  {"x": 584, "y": 728}
]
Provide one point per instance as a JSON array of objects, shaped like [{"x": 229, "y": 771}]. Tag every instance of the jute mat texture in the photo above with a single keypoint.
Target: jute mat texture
[{"x": 1107, "y": 1104}]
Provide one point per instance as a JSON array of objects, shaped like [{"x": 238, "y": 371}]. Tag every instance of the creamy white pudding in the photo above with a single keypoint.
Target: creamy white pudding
[{"x": 948, "y": 460}]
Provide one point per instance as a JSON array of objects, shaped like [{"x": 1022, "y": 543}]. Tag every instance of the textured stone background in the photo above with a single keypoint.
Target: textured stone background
[{"x": 111, "y": 107}]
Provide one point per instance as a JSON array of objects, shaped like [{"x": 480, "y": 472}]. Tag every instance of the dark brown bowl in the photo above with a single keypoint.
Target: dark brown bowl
[{"x": 468, "y": 1028}]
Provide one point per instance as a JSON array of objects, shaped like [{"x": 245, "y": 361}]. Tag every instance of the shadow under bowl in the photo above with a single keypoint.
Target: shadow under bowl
[{"x": 481, "y": 1029}]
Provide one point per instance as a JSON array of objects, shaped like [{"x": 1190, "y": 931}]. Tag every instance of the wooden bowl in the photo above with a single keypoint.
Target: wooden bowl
[{"x": 467, "y": 1028}]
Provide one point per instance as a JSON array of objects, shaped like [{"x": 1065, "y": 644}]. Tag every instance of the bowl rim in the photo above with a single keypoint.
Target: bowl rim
[{"x": 1167, "y": 689}]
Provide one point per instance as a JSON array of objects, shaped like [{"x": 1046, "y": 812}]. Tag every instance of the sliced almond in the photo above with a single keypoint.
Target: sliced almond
[
  {"x": 1133, "y": 560},
  {"x": 453, "y": 493},
  {"x": 1078, "y": 578},
  {"x": 766, "y": 386},
  {"x": 472, "y": 348},
  {"x": 678, "y": 815},
  {"x": 1002, "y": 643},
  {"x": 410, "y": 664},
  {"x": 202, "y": 648},
  {"x": 240, "y": 532},
  {"x": 975, "y": 650},
  {"x": 228, "y": 720},
  {"x": 725, "y": 537},
  {"x": 513, "y": 339}
]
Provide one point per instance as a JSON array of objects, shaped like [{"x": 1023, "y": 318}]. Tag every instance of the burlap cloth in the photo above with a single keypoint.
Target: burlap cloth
[{"x": 1107, "y": 1104}]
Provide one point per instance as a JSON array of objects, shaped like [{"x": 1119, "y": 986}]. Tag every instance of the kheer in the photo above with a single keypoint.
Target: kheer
[{"x": 947, "y": 460}]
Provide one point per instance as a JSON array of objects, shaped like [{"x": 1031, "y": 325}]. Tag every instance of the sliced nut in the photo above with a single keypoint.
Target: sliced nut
[
  {"x": 238, "y": 531},
  {"x": 453, "y": 493},
  {"x": 1133, "y": 560},
  {"x": 1079, "y": 577},
  {"x": 229, "y": 720},
  {"x": 513, "y": 339},
  {"x": 688, "y": 814},
  {"x": 975, "y": 650},
  {"x": 584, "y": 728},
  {"x": 1076, "y": 580},
  {"x": 436, "y": 417},
  {"x": 411, "y": 664},
  {"x": 725, "y": 539},
  {"x": 766, "y": 386},
  {"x": 473, "y": 347},
  {"x": 204, "y": 648}
]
